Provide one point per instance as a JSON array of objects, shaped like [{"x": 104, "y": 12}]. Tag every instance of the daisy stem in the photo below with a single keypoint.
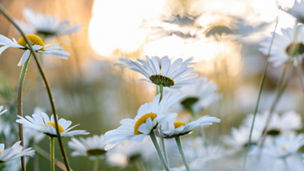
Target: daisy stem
[
  {"x": 161, "y": 92},
  {"x": 52, "y": 153},
  {"x": 301, "y": 75},
  {"x": 281, "y": 89},
  {"x": 163, "y": 147},
  {"x": 47, "y": 86},
  {"x": 261, "y": 86},
  {"x": 20, "y": 108},
  {"x": 96, "y": 164},
  {"x": 181, "y": 151},
  {"x": 153, "y": 138}
]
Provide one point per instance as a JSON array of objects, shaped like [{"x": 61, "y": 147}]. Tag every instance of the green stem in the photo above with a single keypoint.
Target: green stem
[
  {"x": 153, "y": 138},
  {"x": 181, "y": 151},
  {"x": 20, "y": 108},
  {"x": 96, "y": 164},
  {"x": 281, "y": 90},
  {"x": 47, "y": 86},
  {"x": 161, "y": 92},
  {"x": 163, "y": 147},
  {"x": 261, "y": 86},
  {"x": 52, "y": 153}
]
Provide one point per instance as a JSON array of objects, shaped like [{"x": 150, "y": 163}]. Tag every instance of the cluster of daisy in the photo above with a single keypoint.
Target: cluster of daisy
[
  {"x": 178, "y": 89},
  {"x": 39, "y": 28}
]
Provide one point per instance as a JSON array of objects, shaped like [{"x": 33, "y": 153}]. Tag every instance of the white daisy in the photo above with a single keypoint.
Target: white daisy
[
  {"x": 38, "y": 46},
  {"x": 198, "y": 95},
  {"x": 2, "y": 110},
  {"x": 174, "y": 129},
  {"x": 149, "y": 115},
  {"x": 92, "y": 146},
  {"x": 46, "y": 25},
  {"x": 287, "y": 46},
  {"x": 296, "y": 10},
  {"x": 130, "y": 151},
  {"x": 284, "y": 146},
  {"x": 286, "y": 123},
  {"x": 40, "y": 121},
  {"x": 162, "y": 71},
  {"x": 14, "y": 152}
]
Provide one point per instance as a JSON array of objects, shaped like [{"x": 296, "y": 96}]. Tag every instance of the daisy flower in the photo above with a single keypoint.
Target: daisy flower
[
  {"x": 37, "y": 44},
  {"x": 174, "y": 129},
  {"x": 162, "y": 71},
  {"x": 41, "y": 122},
  {"x": 149, "y": 115},
  {"x": 296, "y": 10},
  {"x": 92, "y": 146},
  {"x": 198, "y": 95},
  {"x": 2, "y": 110},
  {"x": 287, "y": 46},
  {"x": 284, "y": 146},
  {"x": 14, "y": 152},
  {"x": 45, "y": 25},
  {"x": 130, "y": 151}
]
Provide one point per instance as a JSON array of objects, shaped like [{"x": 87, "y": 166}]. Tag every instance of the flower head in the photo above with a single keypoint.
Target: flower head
[
  {"x": 14, "y": 152},
  {"x": 40, "y": 121},
  {"x": 2, "y": 110},
  {"x": 37, "y": 44},
  {"x": 287, "y": 46},
  {"x": 283, "y": 146},
  {"x": 173, "y": 129},
  {"x": 92, "y": 146},
  {"x": 198, "y": 95},
  {"x": 45, "y": 25},
  {"x": 162, "y": 71},
  {"x": 148, "y": 117},
  {"x": 296, "y": 10}
]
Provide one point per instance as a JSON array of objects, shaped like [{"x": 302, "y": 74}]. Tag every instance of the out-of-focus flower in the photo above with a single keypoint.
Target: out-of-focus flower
[
  {"x": 37, "y": 44},
  {"x": 287, "y": 46},
  {"x": 41, "y": 122},
  {"x": 297, "y": 10},
  {"x": 131, "y": 151},
  {"x": 92, "y": 147},
  {"x": 149, "y": 115},
  {"x": 280, "y": 154},
  {"x": 2, "y": 110},
  {"x": 284, "y": 146},
  {"x": 198, "y": 95},
  {"x": 46, "y": 25},
  {"x": 174, "y": 129},
  {"x": 162, "y": 71},
  {"x": 14, "y": 152}
]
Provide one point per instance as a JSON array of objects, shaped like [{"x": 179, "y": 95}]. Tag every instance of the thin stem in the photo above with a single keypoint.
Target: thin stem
[
  {"x": 281, "y": 90},
  {"x": 20, "y": 108},
  {"x": 181, "y": 151},
  {"x": 261, "y": 86},
  {"x": 52, "y": 153},
  {"x": 46, "y": 155},
  {"x": 161, "y": 92},
  {"x": 301, "y": 76},
  {"x": 96, "y": 164},
  {"x": 47, "y": 86},
  {"x": 163, "y": 147},
  {"x": 153, "y": 138}
]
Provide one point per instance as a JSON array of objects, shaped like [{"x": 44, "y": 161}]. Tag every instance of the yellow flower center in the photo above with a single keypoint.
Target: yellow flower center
[
  {"x": 284, "y": 148},
  {"x": 61, "y": 129},
  {"x": 0, "y": 152},
  {"x": 178, "y": 124},
  {"x": 142, "y": 120},
  {"x": 34, "y": 40}
]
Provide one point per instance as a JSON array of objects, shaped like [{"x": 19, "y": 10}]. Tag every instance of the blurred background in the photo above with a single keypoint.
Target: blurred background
[{"x": 222, "y": 36}]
